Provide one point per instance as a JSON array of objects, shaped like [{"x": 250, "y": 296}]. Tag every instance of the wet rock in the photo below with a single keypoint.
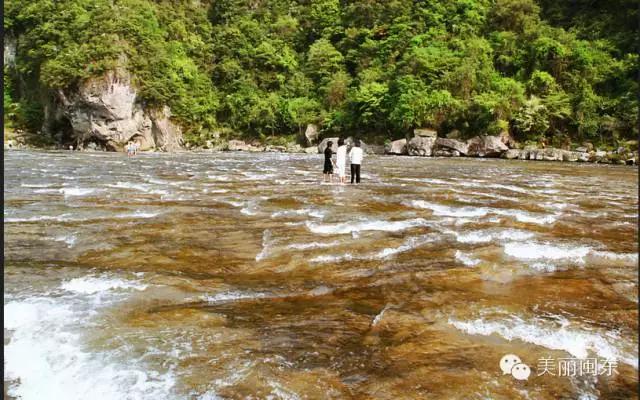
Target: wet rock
[
  {"x": 599, "y": 156},
  {"x": 425, "y": 132},
  {"x": 582, "y": 150},
  {"x": 237, "y": 145},
  {"x": 311, "y": 150},
  {"x": 311, "y": 134},
  {"x": 511, "y": 154},
  {"x": 524, "y": 154},
  {"x": 584, "y": 157},
  {"x": 446, "y": 153},
  {"x": 421, "y": 146},
  {"x": 452, "y": 144},
  {"x": 323, "y": 145},
  {"x": 397, "y": 147},
  {"x": 571, "y": 156},
  {"x": 630, "y": 161},
  {"x": 486, "y": 146},
  {"x": 551, "y": 154}
]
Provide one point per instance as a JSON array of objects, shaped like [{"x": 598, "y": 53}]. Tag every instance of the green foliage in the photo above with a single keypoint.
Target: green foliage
[{"x": 539, "y": 68}]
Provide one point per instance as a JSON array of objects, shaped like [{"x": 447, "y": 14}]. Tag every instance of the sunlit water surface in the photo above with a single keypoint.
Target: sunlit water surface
[{"x": 215, "y": 276}]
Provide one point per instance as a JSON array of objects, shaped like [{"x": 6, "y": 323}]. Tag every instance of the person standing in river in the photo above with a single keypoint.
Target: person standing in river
[
  {"x": 355, "y": 156},
  {"x": 341, "y": 161},
  {"x": 328, "y": 162}
]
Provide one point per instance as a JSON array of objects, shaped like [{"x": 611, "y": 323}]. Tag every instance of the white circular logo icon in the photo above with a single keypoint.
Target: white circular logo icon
[
  {"x": 507, "y": 362},
  {"x": 521, "y": 372}
]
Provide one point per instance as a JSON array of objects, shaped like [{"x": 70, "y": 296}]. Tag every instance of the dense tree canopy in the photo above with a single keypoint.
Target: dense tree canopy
[{"x": 539, "y": 68}]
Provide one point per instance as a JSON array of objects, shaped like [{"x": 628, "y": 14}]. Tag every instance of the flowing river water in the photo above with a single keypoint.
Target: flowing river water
[{"x": 241, "y": 276}]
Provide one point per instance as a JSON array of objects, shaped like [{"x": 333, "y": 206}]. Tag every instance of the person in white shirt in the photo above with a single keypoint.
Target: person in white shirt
[
  {"x": 355, "y": 156},
  {"x": 341, "y": 161}
]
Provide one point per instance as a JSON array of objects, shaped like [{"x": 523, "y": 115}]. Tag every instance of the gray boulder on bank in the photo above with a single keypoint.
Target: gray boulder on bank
[
  {"x": 452, "y": 144},
  {"x": 397, "y": 147},
  {"x": 486, "y": 146},
  {"x": 421, "y": 146},
  {"x": 511, "y": 154}
]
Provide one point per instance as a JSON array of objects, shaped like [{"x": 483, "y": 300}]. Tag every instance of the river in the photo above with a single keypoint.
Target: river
[{"x": 240, "y": 276}]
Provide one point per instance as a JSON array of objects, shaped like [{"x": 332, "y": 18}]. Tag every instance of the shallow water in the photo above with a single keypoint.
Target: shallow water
[{"x": 234, "y": 275}]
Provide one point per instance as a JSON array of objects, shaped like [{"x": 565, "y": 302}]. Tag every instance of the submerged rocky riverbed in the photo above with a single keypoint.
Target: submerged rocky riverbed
[{"x": 239, "y": 275}]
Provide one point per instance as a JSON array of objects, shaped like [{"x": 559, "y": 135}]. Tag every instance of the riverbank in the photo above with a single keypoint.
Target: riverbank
[{"x": 437, "y": 148}]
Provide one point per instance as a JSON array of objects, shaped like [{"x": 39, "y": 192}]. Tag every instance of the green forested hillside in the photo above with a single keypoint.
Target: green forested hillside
[{"x": 541, "y": 69}]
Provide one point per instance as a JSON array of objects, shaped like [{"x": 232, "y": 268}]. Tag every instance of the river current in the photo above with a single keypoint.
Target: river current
[{"x": 241, "y": 276}]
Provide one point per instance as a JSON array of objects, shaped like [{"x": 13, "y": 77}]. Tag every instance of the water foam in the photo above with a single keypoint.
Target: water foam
[
  {"x": 47, "y": 353},
  {"x": 70, "y": 192},
  {"x": 364, "y": 225},
  {"x": 95, "y": 284},
  {"x": 466, "y": 259},
  {"x": 575, "y": 341},
  {"x": 409, "y": 244},
  {"x": 485, "y": 236},
  {"x": 546, "y": 251}
]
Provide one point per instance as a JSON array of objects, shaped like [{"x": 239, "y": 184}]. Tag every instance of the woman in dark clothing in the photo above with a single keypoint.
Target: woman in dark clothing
[{"x": 328, "y": 162}]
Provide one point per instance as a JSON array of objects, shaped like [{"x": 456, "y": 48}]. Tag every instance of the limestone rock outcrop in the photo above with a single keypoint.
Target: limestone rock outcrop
[{"x": 106, "y": 111}]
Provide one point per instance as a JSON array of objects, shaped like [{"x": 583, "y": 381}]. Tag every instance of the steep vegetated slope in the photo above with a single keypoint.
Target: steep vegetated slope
[{"x": 544, "y": 70}]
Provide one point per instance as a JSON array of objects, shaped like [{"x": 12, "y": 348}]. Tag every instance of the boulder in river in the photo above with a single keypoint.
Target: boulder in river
[
  {"x": 486, "y": 146},
  {"x": 421, "y": 146},
  {"x": 452, "y": 144},
  {"x": 397, "y": 147},
  {"x": 311, "y": 150}
]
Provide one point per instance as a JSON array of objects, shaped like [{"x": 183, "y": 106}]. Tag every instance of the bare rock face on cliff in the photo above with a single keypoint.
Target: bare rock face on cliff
[{"x": 106, "y": 110}]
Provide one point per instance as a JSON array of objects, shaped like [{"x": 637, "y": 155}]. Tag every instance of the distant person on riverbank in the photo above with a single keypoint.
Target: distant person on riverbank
[
  {"x": 328, "y": 162},
  {"x": 129, "y": 149},
  {"x": 355, "y": 156},
  {"x": 341, "y": 161}
]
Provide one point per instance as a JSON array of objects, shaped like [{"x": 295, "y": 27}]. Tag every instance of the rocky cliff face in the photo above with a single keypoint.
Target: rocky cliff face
[{"x": 107, "y": 111}]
